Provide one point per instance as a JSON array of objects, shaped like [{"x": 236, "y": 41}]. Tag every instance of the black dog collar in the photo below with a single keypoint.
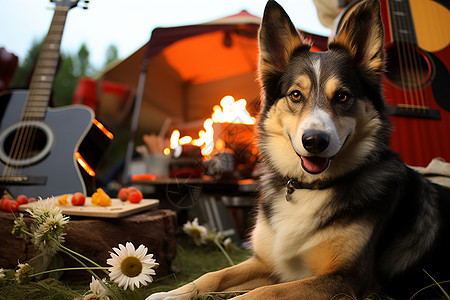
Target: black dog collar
[{"x": 294, "y": 184}]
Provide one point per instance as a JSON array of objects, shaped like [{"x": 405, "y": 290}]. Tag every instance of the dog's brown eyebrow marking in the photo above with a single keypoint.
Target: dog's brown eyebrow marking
[
  {"x": 304, "y": 83},
  {"x": 331, "y": 85}
]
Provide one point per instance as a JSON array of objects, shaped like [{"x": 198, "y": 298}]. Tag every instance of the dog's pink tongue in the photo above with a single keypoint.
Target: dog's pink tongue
[{"x": 314, "y": 164}]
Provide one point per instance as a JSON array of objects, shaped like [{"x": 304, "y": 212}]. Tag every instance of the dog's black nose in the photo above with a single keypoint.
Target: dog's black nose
[{"x": 315, "y": 141}]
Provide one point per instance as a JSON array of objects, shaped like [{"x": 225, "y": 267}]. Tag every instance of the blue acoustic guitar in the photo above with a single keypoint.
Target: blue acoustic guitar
[{"x": 37, "y": 143}]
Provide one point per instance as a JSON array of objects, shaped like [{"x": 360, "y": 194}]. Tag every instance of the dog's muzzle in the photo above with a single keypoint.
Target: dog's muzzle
[{"x": 315, "y": 142}]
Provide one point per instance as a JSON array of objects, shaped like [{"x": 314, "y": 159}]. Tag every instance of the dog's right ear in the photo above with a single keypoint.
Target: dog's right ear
[
  {"x": 278, "y": 39},
  {"x": 360, "y": 32}
]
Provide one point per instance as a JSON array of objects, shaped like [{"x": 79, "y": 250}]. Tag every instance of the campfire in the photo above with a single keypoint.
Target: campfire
[
  {"x": 223, "y": 146},
  {"x": 214, "y": 136}
]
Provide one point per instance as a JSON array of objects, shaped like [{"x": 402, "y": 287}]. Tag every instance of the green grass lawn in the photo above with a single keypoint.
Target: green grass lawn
[{"x": 191, "y": 262}]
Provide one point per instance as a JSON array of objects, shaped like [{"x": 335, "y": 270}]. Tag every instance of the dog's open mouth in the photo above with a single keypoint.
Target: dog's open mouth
[{"x": 315, "y": 164}]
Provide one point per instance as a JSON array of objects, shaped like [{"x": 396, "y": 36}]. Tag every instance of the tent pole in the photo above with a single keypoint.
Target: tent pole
[{"x": 135, "y": 117}]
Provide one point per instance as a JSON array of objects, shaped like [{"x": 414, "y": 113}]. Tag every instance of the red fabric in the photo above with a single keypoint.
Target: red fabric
[
  {"x": 86, "y": 92},
  {"x": 114, "y": 88}
]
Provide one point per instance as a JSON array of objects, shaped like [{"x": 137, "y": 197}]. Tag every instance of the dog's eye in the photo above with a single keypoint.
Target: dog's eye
[
  {"x": 342, "y": 97},
  {"x": 296, "y": 96}
]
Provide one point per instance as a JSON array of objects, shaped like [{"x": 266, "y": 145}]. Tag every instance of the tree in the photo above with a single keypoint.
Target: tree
[
  {"x": 23, "y": 74},
  {"x": 83, "y": 65},
  {"x": 65, "y": 81},
  {"x": 112, "y": 53},
  {"x": 70, "y": 68}
]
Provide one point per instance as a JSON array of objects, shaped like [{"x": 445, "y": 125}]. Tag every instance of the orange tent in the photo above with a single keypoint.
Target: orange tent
[{"x": 189, "y": 69}]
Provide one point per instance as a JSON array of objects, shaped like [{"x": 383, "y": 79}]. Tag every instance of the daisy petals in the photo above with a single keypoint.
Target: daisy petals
[{"x": 120, "y": 271}]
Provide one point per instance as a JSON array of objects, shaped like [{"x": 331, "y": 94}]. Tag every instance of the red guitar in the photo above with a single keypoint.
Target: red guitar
[{"x": 417, "y": 81}]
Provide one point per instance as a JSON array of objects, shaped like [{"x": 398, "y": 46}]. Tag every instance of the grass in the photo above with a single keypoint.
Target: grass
[
  {"x": 191, "y": 262},
  {"x": 190, "y": 267}
]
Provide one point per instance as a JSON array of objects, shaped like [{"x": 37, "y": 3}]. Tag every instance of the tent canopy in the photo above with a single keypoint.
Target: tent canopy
[{"x": 189, "y": 69}]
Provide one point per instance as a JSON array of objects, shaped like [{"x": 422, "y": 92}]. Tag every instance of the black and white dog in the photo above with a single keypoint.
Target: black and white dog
[{"x": 340, "y": 215}]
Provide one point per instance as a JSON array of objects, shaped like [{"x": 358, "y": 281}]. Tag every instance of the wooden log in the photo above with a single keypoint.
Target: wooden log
[{"x": 95, "y": 238}]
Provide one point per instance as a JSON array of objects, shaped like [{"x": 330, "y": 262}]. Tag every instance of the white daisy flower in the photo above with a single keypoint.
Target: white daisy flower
[
  {"x": 2, "y": 273},
  {"x": 131, "y": 267},
  {"x": 48, "y": 226},
  {"x": 98, "y": 290},
  {"x": 23, "y": 273},
  {"x": 44, "y": 207},
  {"x": 20, "y": 227},
  {"x": 197, "y": 232}
]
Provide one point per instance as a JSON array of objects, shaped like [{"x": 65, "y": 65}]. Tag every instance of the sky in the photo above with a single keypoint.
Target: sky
[{"x": 127, "y": 24}]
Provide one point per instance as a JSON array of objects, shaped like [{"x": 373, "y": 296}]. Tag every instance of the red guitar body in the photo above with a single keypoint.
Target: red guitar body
[{"x": 417, "y": 81}]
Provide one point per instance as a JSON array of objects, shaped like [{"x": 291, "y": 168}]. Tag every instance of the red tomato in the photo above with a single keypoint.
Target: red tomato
[
  {"x": 133, "y": 189},
  {"x": 12, "y": 206},
  {"x": 4, "y": 203},
  {"x": 135, "y": 197},
  {"x": 22, "y": 199},
  {"x": 123, "y": 194},
  {"x": 78, "y": 199},
  {"x": 31, "y": 200}
]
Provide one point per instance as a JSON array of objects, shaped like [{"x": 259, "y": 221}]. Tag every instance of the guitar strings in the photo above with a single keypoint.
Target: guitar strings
[
  {"x": 395, "y": 26},
  {"x": 45, "y": 79},
  {"x": 25, "y": 136},
  {"x": 416, "y": 65},
  {"x": 22, "y": 142},
  {"x": 410, "y": 60},
  {"x": 406, "y": 43}
]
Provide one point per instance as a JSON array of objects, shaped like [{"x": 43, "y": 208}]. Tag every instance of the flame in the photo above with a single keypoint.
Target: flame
[
  {"x": 185, "y": 140},
  {"x": 232, "y": 112},
  {"x": 166, "y": 151},
  {"x": 229, "y": 111},
  {"x": 208, "y": 137},
  {"x": 174, "y": 139}
]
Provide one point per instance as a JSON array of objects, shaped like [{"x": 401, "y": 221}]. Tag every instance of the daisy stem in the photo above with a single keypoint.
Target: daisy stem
[
  {"x": 224, "y": 252},
  {"x": 81, "y": 263},
  {"x": 27, "y": 233},
  {"x": 87, "y": 268},
  {"x": 82, "y": 256},
  {"x": 68, "y": 269}
]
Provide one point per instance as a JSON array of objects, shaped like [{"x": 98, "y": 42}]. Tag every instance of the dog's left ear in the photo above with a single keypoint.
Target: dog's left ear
[
  {"x": 278, "y": 39},
  {"x": 360, "y": 32}
]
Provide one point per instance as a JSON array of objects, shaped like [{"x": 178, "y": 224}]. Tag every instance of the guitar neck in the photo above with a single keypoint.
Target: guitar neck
[
  {"x": 401, "y": 22},
  {"x": 42, "y": 80}
]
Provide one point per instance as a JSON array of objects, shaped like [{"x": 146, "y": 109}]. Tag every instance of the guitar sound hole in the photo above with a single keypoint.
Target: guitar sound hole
[
  {"x": 407, "y": 67},
  {"x": 28, "y": 142},
  {"x": 25, "y": 143}
]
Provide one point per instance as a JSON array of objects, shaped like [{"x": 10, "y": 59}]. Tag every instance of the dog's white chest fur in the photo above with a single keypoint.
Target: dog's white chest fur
[
  {"x": 291, "y": 232},
  {"x": 292, "y": 244}
]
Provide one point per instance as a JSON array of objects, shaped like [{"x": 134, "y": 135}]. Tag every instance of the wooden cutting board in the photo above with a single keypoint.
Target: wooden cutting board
[{"x": 117, "y": 209}]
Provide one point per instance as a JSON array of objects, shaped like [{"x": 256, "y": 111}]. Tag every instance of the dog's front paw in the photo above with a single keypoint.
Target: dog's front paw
[
  {"x": 164, "y": 296},
  {"x": 186, "y": 292}
]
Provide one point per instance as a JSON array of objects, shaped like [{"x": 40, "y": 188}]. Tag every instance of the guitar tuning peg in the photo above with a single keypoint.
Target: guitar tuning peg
[{"x": 84, "y": 7}]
